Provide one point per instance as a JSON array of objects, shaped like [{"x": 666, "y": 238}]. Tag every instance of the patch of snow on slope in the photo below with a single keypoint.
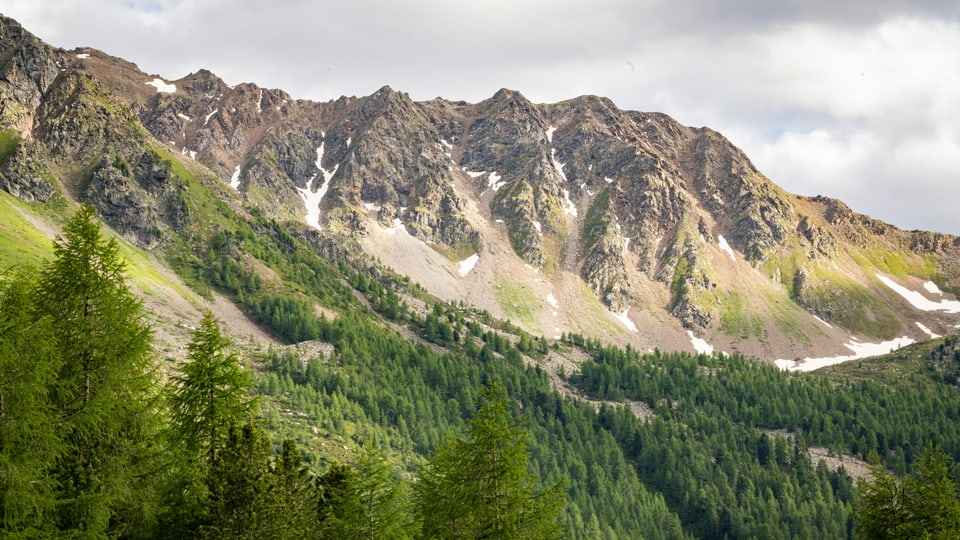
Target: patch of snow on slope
[
  {"x": 474, "y": 174},
  {"x": 209, "y": 116},
  {"x": 625, "y": 319},
  {"x": 162, "y": 86},
  {"x": 235, "y": 179},
  {"x": 538, "y": 227},
  {"x": 494, "y": 183},
  {"x": 919, "y": 301},
  {"x": 185, "y": 117},
  {"x": 699, "y": 344},
  {"x": 552, "y": 300},
  {"x": 467, "y": 264},
  {"x": 549, "y": 133},
  {"x": 83, "y": 56},
  {"x": 260, "y": 101},
  {"x": 312, "y": 199},
  {"x": 608, "y": 180},
  {"x": 369, "y": 206},
  {"x": 927, "y": 331},
  {"x": 860, "y": 350},
  {"x": 726, "y": 247},
  {"x": 932, "y": 288},
  {"x": 568, "y": 205},
  {"x": 397, "y": 226},
  {"x": 557, "y": 165}
]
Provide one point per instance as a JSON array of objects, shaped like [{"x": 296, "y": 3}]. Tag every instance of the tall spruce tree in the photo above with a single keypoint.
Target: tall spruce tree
[
  {"x": 480, "y": 486},
  {"x": 105, "y": 386}
]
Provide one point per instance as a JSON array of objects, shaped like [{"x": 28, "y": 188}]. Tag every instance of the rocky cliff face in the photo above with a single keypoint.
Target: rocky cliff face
[{"x": 644, "y": 212}]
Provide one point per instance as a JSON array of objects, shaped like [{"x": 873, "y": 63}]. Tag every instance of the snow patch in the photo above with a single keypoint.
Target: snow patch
[
  {"x": 474, "y": 174},
  {"x": 494, "y": 183},
  {"x": 625, "y": 319},
  {"x": 557, "y": 165},
  {"x": 312, "y": 199},
  {"x": 538, "y": 227},
  {"x": 626, "y": 245},
  {"x": 368, "y": 206},
  {"x": 549, "y": 132},
  {"x": 568, "y": 205},
  {"x": 608, "y": 180},
  {"x": 467, "y": 264},
  {"x": 860, "y": 350},
  {"x": 349, "y": 141},
  {"x": 185, "y": 117},
  {"x": 932, "y": 288},
  {"x": 699, "y": 344},
  {"x": 446, "y": 144},
  {"x": 209, "y": 116},
  {"x": 162, "y": 86},
  {"x": 552, "y": 300},
  {"x": 920, "y": 301},
  {"x": 83, "y": 56},
  {"x": 726, "y": 247},
  {"x": 260, "y": 101},
  {"x": 235, "y": 179},
  {"x": 397, "y": 226},
  {"x": 927, "y": 331}
]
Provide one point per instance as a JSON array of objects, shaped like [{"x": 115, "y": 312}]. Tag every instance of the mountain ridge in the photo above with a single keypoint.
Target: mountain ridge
[{"x": 578, "y": 217}]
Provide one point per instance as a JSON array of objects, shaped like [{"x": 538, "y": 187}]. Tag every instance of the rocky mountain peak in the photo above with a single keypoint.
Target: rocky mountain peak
[{"x": 630, "y": 214}]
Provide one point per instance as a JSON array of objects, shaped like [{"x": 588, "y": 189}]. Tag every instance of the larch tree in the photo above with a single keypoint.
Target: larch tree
[
  {"x": 105, "y": 386},
  {"x": 480, "y": 486},
  {"x": 210, "y": 393},
  {"x": 30, "y": 443}
]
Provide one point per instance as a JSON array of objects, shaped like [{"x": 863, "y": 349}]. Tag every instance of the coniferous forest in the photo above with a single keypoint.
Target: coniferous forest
[{"x": 457, "y": 432}]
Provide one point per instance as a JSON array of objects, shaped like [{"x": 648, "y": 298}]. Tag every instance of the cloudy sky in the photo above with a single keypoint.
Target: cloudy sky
[{"x": 855, "y": 99}]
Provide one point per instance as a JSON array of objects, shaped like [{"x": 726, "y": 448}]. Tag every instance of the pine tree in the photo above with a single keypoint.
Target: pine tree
[
  {"x": 480, "y": 487},
  {"x": 105, "y": 388}
]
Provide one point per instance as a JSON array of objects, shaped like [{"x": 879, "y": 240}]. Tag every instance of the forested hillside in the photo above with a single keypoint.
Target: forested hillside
[{"x": 382, "y": 433}]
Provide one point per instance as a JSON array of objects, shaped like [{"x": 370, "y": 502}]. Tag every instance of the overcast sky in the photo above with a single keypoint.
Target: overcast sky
[{"x": 854, "y": 99}]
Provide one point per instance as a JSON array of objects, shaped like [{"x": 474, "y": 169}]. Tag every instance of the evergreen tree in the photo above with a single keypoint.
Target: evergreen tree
[
  {"x": 480, "y": 487},
  {"x": 30, "y": 443},
  {"x": 105, "y": 387},
  {"x": 211, "y": 392},
  {"x": 924, "y": 504},
  {"x": 368, "y": 503}
]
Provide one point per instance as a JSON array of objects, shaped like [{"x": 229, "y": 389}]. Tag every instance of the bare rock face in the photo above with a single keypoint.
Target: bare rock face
[
  {"x": 27, "y": 69},
  {"x": 23, "y": 175},
  {"x": 121, "y": 202},
  {"x": 638, "y": 206}
]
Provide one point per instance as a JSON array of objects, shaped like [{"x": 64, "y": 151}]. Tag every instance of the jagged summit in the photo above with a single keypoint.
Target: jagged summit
[{"x": 568, "y": 217}]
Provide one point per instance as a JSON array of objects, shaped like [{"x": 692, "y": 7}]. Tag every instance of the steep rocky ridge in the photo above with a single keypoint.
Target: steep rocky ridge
[{"x": 567, "y": 217}]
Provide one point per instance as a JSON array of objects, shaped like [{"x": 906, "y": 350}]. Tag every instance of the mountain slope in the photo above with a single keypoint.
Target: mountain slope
[{"x": 574, "y": 217}]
